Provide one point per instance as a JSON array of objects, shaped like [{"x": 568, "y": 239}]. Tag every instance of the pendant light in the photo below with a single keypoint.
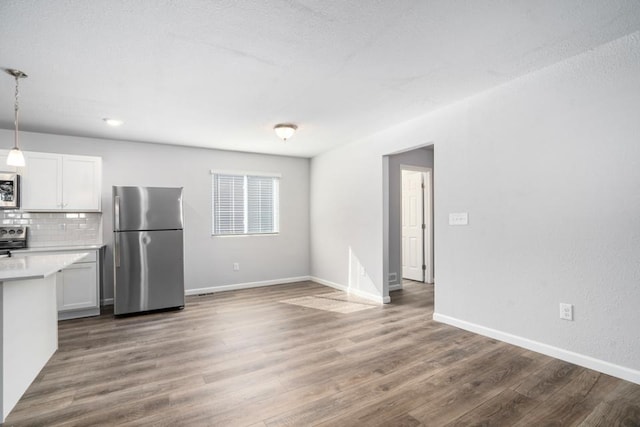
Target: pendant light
[
  {"x": 16, "y": 158},
  {"x": 285, "y": 130}
]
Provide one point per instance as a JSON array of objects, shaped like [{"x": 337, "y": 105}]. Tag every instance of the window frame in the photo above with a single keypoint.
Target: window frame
[{"x": 245, "y": 190}]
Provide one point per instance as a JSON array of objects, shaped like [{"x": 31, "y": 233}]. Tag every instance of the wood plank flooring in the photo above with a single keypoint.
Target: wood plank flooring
[{"x": 246, "y": 358}]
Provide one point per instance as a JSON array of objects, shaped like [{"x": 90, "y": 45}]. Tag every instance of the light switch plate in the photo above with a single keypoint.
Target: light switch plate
[{"x": 459, "y": 218}]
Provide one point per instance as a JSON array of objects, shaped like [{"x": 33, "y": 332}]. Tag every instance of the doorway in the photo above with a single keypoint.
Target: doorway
[
  {"x": 419, "y": 159},
  {"x": 417, "y": 223}
]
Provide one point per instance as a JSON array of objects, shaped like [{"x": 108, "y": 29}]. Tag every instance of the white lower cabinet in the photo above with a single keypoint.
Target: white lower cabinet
[
  {"x": 74, "y": 287},
  {"x": 78, "y": 288}
]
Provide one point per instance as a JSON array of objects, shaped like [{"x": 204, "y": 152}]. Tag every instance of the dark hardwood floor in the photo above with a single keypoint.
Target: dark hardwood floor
[{"x": 247, "y": 358}]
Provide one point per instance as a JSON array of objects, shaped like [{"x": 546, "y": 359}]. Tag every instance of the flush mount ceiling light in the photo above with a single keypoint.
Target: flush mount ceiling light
[
  {"x": 16, "y": 158},
  {"x": 113, "y": 122},
  {"x": 285, "y": 130}
]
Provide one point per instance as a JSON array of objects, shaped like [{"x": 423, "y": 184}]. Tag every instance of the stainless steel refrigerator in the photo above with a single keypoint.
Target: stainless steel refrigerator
[{"x": 148, "y": 253}]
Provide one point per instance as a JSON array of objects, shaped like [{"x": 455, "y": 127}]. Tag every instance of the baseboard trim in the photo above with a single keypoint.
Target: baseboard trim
[
  {"x": 247, "y": 285},
  {"x": 355, "y": 292},
  {"x": 618, "y": 371},
  {"x": 395, "y": 287},
  {"x": 76, "y": 314}
]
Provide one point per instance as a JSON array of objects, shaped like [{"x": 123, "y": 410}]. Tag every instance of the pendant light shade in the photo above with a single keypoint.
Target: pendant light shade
[
  {"x": 285, "y": 130},
  {"x": 16, "y": 158}
]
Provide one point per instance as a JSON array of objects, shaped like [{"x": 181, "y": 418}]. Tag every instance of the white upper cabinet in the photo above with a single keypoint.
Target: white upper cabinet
[
  {"x": 81, "y": 183},
  {"x": 60, "y": 182},
  {"x": 41, "y": 184}
]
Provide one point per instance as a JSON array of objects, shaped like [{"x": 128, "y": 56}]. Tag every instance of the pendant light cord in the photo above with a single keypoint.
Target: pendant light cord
[{"x": 17, "y": 107}]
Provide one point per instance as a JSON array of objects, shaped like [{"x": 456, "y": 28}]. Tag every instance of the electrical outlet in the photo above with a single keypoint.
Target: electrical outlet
[
  {"x": 566, "y": 311},
  {"x": 236, "y": 266}
]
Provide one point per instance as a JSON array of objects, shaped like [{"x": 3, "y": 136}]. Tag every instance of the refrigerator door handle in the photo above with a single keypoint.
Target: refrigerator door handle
[
  {"x": 116, "y": 212},
  {"x": 116, "y": 249}
]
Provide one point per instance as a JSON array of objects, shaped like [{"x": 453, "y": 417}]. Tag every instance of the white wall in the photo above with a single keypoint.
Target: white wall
[
  {"x": 346, "y": 225},
  {"x": 208, "y": 260},
  {"x": 548, "y": 168}
]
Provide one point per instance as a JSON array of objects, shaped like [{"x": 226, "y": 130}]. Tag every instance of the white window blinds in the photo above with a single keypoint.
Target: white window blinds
[
  {"x": 245, "y": 204},
  {"x": 228, "y": 204},
  {"x": 262, "y": 209}
]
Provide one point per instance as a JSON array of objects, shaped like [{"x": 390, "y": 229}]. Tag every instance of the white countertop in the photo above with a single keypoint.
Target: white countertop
[
  {"x": 58, "y": 249},
  {"x": 36, "y": 266}
]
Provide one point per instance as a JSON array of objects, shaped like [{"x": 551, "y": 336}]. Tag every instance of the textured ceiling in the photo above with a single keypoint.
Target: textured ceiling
[{"x": 222, "y": 73}]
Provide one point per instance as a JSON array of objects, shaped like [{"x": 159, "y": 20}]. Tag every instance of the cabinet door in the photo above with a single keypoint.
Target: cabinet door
[
  {"x": 42, "y": 182},
  {"x": 77, "y": 286},
  {"x": 81, "y": 186}
]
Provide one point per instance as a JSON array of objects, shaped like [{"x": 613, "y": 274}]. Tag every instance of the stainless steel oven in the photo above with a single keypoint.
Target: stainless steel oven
[
  {"x": 12, "y": 238},
  {"x": 9, "y": 190}
]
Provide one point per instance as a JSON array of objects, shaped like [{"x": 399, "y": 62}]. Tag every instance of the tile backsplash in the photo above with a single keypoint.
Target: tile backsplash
[{"x": 57, "y": 229}]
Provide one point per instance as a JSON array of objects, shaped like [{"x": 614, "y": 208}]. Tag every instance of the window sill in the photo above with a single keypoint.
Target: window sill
[{"x": 245, "y": 235}]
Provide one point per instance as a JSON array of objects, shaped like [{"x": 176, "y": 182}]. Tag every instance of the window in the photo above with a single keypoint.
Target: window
[{"x": 245, "y": 203}]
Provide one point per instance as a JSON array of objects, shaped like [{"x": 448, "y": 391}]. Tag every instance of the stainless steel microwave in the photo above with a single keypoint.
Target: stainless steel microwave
[{"x": 9, "y": 190}]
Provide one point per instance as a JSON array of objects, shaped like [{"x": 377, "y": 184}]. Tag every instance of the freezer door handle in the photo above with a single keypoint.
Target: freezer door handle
[
  {"x": 116, "y": 212},
  {"x": 116, "y": 249}
]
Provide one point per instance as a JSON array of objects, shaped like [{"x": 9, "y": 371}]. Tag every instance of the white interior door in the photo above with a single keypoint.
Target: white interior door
[{"x": 412, "y": 220}]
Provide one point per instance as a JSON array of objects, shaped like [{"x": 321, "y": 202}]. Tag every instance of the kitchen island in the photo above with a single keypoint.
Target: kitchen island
[{"x": 28, "y": 320}]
